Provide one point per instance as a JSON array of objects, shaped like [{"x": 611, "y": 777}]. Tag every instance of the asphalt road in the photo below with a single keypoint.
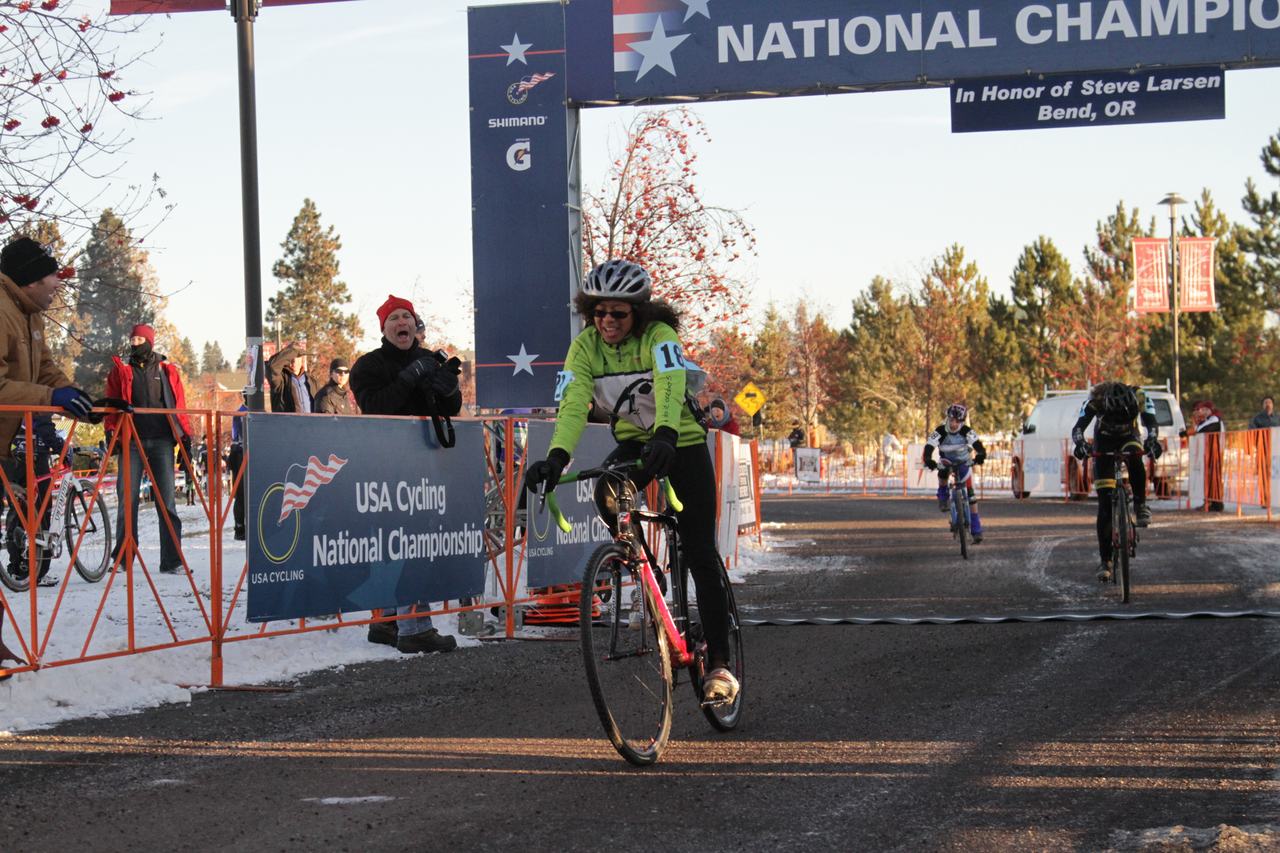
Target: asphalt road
[{"x": 1136, "y": 735}]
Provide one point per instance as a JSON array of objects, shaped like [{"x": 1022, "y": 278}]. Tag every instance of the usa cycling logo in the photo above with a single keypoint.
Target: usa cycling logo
[
  {"x": 280, "y": 524},
  {"x": 518, "y": 92}
]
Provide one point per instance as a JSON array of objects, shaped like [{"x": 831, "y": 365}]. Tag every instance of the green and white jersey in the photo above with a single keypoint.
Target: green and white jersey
[{"x": 640, "y": 384}]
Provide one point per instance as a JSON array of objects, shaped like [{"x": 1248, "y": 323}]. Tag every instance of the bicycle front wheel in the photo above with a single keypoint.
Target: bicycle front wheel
[
  {"x": 626, "y": 656},
  {"x": 13, "y": 561},
  {"x": 87, "y": 513},
  {"x": 1120, "y": 548},
  {"x": 960, "y": 512}
]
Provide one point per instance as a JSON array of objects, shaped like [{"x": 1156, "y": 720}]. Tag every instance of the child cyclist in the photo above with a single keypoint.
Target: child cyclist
[
  {"x": 1118, "y": 409},
  {"x": 958, "y": 446}
]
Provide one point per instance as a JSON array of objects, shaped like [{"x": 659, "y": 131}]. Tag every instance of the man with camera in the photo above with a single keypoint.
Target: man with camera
[{"x": 401, "y": 377}]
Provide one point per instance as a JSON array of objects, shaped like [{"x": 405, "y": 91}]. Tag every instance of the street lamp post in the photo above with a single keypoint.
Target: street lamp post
[{"x": 1173, "y": 200}]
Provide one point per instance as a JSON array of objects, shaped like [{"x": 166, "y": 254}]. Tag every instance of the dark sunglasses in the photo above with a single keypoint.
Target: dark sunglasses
[
  {"x": 342, "y": 370},
  {"x": 617, "y": 315}
]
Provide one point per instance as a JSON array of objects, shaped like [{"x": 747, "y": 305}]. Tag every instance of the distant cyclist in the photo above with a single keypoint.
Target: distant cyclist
[
  {"x": 958, "y": 447},
  {"x": 1118, "y": 409},
  {"x": 629, "y": 362}
]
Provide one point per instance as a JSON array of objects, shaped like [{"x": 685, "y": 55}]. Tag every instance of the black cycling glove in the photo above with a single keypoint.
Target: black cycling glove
[
  {"x": 1152, "y": 446},
  {"x": 659, "y": 452},
  {"x": 1081, "y": 450},
  {"x": 547, "y": 471}
]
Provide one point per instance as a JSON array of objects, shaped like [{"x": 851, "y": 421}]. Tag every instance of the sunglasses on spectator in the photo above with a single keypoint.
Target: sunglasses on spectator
[
  {"x": 617, "y": 315},
  {"x": 342, "y": 370}
]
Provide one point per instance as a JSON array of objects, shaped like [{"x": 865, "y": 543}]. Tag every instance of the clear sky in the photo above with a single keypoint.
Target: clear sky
[{"x": 362, "y": 106}]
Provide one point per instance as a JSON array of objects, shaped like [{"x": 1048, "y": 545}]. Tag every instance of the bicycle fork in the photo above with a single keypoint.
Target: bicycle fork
[{"x": 681, "y": 654}]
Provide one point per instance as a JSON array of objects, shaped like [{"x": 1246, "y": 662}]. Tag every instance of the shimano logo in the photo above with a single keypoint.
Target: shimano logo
[{"x": 520, "y": 121}]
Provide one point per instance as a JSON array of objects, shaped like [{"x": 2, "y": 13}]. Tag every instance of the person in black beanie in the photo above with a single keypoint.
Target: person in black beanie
[
  {"x": 29, "y": 281},
  {"x": 334, "y": 398}
]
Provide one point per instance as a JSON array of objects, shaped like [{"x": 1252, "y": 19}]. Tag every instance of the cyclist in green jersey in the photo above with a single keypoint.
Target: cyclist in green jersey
[{"x": 630, "y": 364}]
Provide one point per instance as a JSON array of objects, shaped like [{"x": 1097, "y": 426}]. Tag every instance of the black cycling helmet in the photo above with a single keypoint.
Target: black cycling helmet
[
  {"x": 618, "y": 279},
  {"x": 958, "y": 412},
  {"x": 1116, "y": 399}
]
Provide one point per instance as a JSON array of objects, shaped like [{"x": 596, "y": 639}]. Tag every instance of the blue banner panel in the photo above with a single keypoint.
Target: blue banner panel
[
  {"x": 522, "y": 261},
  {"x": 1076, "y": 100},
  {"x": 551, "y": 555},
  {"x": 718, "y": 49},
  {"x": 349, "y": 513}
]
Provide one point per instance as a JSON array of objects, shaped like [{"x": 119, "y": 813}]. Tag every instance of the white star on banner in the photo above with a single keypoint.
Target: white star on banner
[
  {"x": 656, "y": 50},
  {"x": 693, "y": 7},
  {"x": 523, "y": 361},
  {"x": 515, "y": 50}
]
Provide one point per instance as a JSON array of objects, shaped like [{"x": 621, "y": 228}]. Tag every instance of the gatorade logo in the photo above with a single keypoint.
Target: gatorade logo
[{"x": 519, "y": 156}]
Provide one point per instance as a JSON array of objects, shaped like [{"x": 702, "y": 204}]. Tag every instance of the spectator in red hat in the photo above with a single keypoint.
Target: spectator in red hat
[
  {"x": 149, "y": 381},
  {"x": 403, "y": 378}
]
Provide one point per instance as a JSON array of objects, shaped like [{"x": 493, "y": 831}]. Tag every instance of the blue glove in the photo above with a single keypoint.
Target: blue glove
[
  {"x": 659, "y": 452},
  {"x": 73, "y": 401},
  {"x": 547, "y": 471}
]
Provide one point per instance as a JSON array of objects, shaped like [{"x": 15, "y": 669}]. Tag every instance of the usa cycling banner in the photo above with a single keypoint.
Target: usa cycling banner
[
  {"x": 627, "y": 50},
  {"x": 347, "y": 514},
  {"x": 525, "y": 253},
  {"x": 551, "y": 555}
]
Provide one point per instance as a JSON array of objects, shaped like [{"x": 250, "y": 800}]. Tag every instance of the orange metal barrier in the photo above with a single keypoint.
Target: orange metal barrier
[
  {"x": 1236, "y": 470},
  {"x": 129, "y": 590}
]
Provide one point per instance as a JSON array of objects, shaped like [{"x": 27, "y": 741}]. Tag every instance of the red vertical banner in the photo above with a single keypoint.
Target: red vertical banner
[
  {"x": 151, "y": 7},
  {"x": 1150, "y": 275},
  {"x": 1195, "y": 274}
]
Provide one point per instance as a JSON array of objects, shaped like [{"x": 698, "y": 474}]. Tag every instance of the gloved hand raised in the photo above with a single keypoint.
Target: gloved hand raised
[
  {"x": 1152, "y": 447},
  {"x": 658, "y": 453},
  {"x": 547, "y": 472},
  {"x": 73, "y": 401},
  {"x": 1081, "y": 450}
]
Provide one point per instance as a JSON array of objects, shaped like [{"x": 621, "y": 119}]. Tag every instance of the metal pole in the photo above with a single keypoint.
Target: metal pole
[{"x": 244, "y": 11}]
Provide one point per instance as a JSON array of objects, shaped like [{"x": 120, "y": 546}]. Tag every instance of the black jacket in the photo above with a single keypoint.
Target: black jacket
[
  {"x": 333, "y": 400},
  {"x": 280, "y": 378},
  {"x": 375, "y": 379}
]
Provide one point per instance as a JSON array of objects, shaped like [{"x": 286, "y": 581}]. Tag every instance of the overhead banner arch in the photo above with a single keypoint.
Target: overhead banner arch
[{"x": 526, "y": 236}]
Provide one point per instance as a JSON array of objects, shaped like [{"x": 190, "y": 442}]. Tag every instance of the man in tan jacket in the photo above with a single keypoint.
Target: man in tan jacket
[{"x": 28, "y": 377}]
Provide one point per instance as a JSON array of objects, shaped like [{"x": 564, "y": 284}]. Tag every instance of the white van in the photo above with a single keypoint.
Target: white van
[{"x": 1042, "y": 461}]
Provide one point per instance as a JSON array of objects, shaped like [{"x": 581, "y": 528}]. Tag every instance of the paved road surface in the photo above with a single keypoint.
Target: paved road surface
[{"x": 1055, "y": 736}]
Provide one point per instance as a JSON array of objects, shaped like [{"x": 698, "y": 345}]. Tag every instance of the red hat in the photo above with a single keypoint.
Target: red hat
[
  {"x": 392, "y": 303},
  {"x": 144, "y": 331}
]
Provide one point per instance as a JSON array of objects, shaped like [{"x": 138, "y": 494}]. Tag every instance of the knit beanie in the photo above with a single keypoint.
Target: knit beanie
[
  {"x": 26, "y": 261},
  {"x": 392, "y": 303}
]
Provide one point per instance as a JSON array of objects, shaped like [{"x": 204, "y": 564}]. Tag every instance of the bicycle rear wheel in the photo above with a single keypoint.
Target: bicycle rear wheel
[
  {"x": 628, "y": 668},
  {"x": 960, "y": 512},
  {"x": 14, "y": 569},
  {"x": 88, "y": 511},
  {"x": 726, "y": 717},
  {"x": 1120, "y": 548}
]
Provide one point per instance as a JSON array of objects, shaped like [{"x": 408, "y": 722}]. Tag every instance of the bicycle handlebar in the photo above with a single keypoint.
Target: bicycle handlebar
[{"x": 548, "y": 498}]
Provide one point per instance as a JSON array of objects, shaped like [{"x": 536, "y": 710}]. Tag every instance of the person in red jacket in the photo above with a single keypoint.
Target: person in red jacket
[{"x": 149, "y": 381}]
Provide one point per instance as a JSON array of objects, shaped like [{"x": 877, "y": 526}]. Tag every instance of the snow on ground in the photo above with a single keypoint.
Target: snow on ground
[{"x": 33, "y": 700}]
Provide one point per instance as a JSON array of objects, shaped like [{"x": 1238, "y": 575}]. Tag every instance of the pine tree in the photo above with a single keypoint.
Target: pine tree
[
  {"x": 186, "y": 356},
  {"x": 1042, "y": 287},
  {"x": 950, "y": 311},
  {"x": 213, "y": 361},
  {"x": 112, "y": 297},
  {"x": 1262, "y": 240},
  {"x": 308, "y": 304},
  {"x": 770, "y": 358}
]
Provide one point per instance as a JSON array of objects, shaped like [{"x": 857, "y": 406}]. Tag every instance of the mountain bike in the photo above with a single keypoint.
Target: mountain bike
[
  {"x": 83, "y": 527},
  {"x": 633, "y": 644},
  {"x": 1124, "y": 526},
  {"x": 958, "y": 506}
]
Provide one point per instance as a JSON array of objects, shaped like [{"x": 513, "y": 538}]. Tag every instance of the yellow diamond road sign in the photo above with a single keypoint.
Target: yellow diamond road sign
[{"x": 750, "y": 399}]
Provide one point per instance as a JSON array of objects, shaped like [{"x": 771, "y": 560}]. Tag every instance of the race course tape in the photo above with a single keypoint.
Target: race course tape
[{"x": 1029, "y": 617}]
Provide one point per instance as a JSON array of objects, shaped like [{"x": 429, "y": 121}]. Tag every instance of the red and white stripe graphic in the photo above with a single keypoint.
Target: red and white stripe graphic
[
  {"x": 1151, "y": 275},
  {"x": 634, "y": 20},
  {"x": 318, "y": 473},
  {"x": 1195, "y": 274}
]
